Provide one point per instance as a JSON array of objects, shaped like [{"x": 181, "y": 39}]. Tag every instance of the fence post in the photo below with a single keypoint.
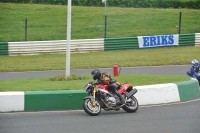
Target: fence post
[
  {"x": 179, "y": 25},
  {"x": 26, "y": 29}
]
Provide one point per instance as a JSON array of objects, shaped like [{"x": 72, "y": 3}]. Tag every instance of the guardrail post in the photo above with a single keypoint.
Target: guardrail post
[
  {"x": 26, "y": 29},
  {"x": 179, "y": 25}
]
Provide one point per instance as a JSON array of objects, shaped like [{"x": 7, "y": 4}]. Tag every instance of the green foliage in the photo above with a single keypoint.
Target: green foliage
[
  {"x": 64, "y": 78},
  {"x": 119, "y": 3},
  {"x": 39, "y": 84},
  {"x": 124, "y": 58},
  {"x": 48, "y": 22}
]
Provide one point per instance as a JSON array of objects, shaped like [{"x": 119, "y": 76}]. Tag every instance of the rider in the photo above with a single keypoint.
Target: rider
[
  {"x": 106, "y": 79},
  {"x": 194, "y": 70}
]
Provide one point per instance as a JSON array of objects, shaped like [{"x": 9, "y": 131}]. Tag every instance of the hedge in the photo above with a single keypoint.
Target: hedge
[{"x": 192, "y": 4}]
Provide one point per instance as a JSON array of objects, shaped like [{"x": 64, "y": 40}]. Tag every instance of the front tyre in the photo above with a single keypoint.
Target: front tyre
[
  {"x": 90, "y": 108},
  {"x": 131, "y": 105}
]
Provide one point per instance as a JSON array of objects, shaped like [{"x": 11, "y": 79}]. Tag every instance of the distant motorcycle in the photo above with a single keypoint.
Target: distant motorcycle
[
  {"x": 100, "y": 97},
  {"x": 189, "y": 73}
]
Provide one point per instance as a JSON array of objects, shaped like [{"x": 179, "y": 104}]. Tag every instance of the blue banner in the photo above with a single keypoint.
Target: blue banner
[{"x": 157, "y": 41}]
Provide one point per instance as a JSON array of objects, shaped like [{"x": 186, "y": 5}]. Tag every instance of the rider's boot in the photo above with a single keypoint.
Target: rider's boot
[{"x": 120, "y": 98}]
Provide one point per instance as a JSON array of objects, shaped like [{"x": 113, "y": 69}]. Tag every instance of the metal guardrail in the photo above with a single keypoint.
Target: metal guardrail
[
  {"x": 58, "y": 46},
  {"x": 187, "y": 39},
  {"x": 121, "y": 43},
  {"x": 197, "y": 39},
  {"x": 3, "y": 48},
  {"x": 83, "y": 45}
]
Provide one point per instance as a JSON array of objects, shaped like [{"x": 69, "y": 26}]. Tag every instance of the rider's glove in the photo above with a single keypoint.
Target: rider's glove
[
  {"x": 90, "y": 82},
  {"x": 96, "y": 83}
]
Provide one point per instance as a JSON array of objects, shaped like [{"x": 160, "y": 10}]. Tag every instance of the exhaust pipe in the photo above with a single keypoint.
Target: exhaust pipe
[{"x": 131, "y": 93}]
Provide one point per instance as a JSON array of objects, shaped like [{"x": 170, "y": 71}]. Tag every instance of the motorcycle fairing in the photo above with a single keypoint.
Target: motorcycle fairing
[{"x": 123, "y": 87}]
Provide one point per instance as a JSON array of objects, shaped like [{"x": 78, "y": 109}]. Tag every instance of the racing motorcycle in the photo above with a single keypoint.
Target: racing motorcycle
[
  {"x": 189, "y": 73},
  {"x": 99, "y": 97}
]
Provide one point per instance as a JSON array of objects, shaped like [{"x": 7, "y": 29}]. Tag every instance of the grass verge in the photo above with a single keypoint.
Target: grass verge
[
  {"x": 48, "y": 22},
  {"x": 36, "y": 84},
  {"x": 124, "y": 58}
]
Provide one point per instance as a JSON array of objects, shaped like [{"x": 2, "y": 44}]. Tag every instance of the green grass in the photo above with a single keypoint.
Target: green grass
[
  {"x": 48, "y": 22},
  {"x": 35, "y": 84},
  {"x": 125, "y": 58},
  {"x": 145, "y": 57}
]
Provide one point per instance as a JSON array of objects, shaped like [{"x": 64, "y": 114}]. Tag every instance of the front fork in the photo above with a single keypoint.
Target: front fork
[{"x": 94, "y": 103}]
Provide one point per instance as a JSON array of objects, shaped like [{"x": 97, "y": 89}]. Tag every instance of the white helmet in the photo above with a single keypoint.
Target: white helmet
[{"x": 195, "y": 63}]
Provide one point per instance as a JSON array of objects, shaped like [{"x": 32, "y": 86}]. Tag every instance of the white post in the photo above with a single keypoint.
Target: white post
[
  {"x": 105, "y": 7},
  {"x": 68, "y": 38},
  {"x": 105, "y": 18},
  {"x": 104, "y": 1}
]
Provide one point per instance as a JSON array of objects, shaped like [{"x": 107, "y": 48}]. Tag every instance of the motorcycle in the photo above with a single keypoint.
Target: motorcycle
[
  {"x": 189, "y": 73},
  {"x": 99, "y": 97}
]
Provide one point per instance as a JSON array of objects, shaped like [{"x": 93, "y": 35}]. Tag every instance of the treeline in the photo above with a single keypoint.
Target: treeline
[{"x": 193, "y": 4}]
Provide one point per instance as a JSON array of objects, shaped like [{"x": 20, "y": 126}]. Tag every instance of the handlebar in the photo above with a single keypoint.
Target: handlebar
[{"x": 95, "y": 83}]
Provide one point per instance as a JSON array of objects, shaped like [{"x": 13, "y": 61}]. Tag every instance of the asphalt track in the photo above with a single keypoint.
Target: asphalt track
[
  {"x": 172, "y": 118},
  {"x": 165, "y": 70},
  {"x": 178, "y": 118}
]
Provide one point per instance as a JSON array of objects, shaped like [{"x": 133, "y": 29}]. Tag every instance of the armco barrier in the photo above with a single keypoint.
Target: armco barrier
[
  {"x": 56, "y": 46},
  {"x": 84, "y": 45},
  {"x": 197, "y": 39},
  {"x": 72, "y": 99},
  {"x": 11, "y": 101},
  {"x": 3, "y": 48},
  {"x": 157, "y": 94},
  {"x": 54, "y": 100},
  {"x": 187, "y": 40},
  {"x": 188, "y": 89},
  {"x": 120, "y": 43}
]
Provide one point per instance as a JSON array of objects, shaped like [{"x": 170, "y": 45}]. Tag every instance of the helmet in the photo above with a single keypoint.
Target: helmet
[
  {"x": 95, "y": 73},
  {"x": 195, "y": 63}
]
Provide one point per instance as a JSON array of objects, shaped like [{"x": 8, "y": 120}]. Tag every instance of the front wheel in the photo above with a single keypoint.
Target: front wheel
[
  {"x": 131, "y": 105},
  {"x": 90, "y": 108}
]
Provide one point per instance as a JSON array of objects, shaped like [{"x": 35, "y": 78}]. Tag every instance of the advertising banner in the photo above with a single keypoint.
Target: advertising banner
[{"x": 158, "y": 40}]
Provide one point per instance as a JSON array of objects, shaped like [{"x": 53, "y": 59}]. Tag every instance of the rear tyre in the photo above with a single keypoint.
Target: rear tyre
[
  {"x": 131, "y": 105},
  {"x": 90, "y": 109}
]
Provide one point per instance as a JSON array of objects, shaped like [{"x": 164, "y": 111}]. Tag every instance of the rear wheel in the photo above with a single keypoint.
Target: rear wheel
[
  {"x": 131, "y": 105},
  {"x": 91, "y": 108}
]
